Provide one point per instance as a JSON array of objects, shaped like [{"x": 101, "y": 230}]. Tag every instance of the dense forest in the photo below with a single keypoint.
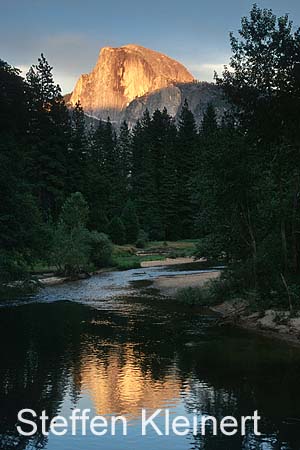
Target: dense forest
[{"x": 68, "y": 190}]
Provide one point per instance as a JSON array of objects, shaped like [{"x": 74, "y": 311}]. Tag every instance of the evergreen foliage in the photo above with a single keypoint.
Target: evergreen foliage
[
  {"x": 101, "y": 249},
  {"x": 74, "y": 246},
  {"x": 142, "y": 239},
  {"x": 71, "y": 239},
  {"x": 48, "y": 137},
  {"x": 233, "y": 184},
  {"x": 117, "y": 231},
  {"x": 248, "y": 184},
  {"x": 131, "y": 222}
]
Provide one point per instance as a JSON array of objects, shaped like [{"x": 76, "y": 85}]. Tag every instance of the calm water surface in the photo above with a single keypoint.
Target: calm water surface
[{"x": 85, "y": 345}]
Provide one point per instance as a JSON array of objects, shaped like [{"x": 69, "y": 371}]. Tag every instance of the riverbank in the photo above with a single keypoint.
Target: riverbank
[
  {"x": 167, "y": 283},
  {"x": 125, "y": 257},
  {"x": 169, "y": 286},
  {"x": 276, "y": 324},
  {"x": 273, "y": 323},
  {"x": 53, "y": 280},
  {"x": 171, "y": 261}
]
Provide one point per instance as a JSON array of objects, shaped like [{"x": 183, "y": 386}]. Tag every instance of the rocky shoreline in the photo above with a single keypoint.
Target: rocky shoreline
[
  {"x": 273, "y": 323},
  {"x": 277, "y": 324}
]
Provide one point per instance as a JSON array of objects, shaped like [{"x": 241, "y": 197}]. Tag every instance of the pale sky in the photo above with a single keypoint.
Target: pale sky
[{"x": 71, "y": 32}]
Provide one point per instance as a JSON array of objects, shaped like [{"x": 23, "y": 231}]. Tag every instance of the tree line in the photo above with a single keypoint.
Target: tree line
[
  {"x": 234, "y": 184},
  {"x": 131, "y": 185}
]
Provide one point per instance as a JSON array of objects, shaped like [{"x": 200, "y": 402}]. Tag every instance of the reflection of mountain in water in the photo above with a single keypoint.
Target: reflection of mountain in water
[
  {"x": 119, "y": 385},
  {"x": 156, "y": 357}
]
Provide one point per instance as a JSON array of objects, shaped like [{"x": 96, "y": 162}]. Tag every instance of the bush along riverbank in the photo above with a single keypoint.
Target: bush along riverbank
[
  {"x": 76, "y": 253},
  {"x": 275, "y": 314}
]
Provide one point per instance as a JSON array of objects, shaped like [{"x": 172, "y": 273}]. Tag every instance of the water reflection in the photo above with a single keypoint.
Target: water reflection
[
  {"x": 56, "y": 356},
  {"x": 119, "y": 385}
]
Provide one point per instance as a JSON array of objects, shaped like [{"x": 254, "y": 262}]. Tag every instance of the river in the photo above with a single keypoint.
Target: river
[{"x": 113, "y": 345}]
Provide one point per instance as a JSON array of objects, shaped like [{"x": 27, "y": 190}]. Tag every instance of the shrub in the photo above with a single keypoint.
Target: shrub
[
  {"x": 142, "y": 239},
  {"x": 210, "y": 247},
  {"x": 117, "y": 231},
  {"x": 70, "y": 249},
  {"x": 101, "y": 249},
  {"x": 75, "y": 211},
  {"x": 193, "y": 296},
  {"x": 71, "y": 239},
  {"x": 12, "y": 268},
  {"x": 126, "y": 262},
  {"x": 15, "y": 279}
]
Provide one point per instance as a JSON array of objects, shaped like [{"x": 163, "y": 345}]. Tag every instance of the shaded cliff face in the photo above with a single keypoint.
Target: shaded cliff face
[
  {"x": 122, "y": 75},
  {"x": 198, "y": 95}
]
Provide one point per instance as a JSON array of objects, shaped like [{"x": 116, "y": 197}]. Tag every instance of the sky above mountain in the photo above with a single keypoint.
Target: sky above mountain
[{"x": 71, "y": 32}]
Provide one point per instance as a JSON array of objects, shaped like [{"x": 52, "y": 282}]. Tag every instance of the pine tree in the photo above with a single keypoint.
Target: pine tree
[
  {"x": 130, "y": 221},
  {"x": 13, "y": 101},
  {"x": 48, "y": 134},
  {"x": 142, "y": 182},
  {"x": 117, "y": 231},
  {"x": 21, "y": 229},
  {"x": 95, "y": 180},
  {"x": 112, "y": 171},
  {"x": 209, "y": 124},
  {"x": 163, "y": 135},
  {"x": 168, "y": 195},
  {"x": 124, "y": 152},
  {"x": 185, "y": 160},
  {"x": 77, "y": 152},
  {"x": 264, "y": 88}
]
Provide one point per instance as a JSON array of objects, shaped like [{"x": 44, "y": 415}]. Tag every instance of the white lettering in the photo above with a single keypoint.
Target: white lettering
[
  {"x": 28, "y": 422},
  {"x": 180, "y": 422},
  {"x": 204, "y": 419},
  {"x": 114, "y": 420},
  {"x": 149, "y": 421},
  {"x": 58, "y": 422},
  {"x": 228, "y": 422},
  {"x": 98, "y": 422},
  {"x": 256, "y": 418}
]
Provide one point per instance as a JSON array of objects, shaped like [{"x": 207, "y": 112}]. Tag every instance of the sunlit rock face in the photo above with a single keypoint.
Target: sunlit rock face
[{"x": 122, "y": 75}]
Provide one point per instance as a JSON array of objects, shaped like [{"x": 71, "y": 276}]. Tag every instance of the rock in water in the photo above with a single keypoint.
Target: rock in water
[{"x": 122, "y": 75}]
